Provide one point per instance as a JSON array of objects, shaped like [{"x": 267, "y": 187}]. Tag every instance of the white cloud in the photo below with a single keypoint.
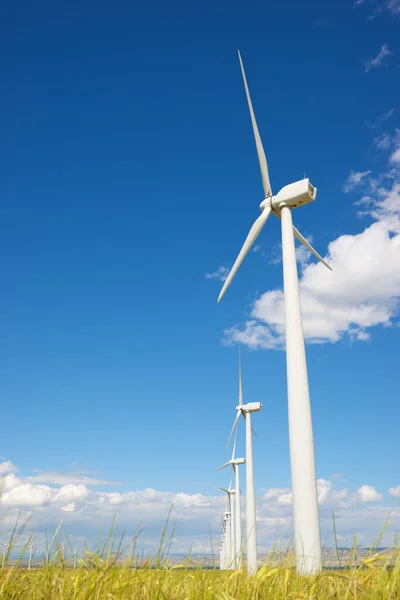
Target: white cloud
[
  {"x": 391, "y": 6},
  {"x": 82, "y": 510},
  {"x": 56, "y": 478},
  {"x": 383, "y": 142},
  {"x": 367, "y": 493},
  {"x": 395, "y": 157},
  {"x": 26, "y": 494},
  {"x": 68, "y": 507},
  {"x": 221, "y": 273},
  {"x": 381, "y": 119},
  {"x": 7, "y": 467},
  {"x": 362, "y": 292},
  {"x": 387, "y": 141},
  {"x": 378, "y": 60},
  {"x": 279, "y": 495},
  {"x": 354, "y": 179},
  {"x": 71, "y": 493},
  {"x": 386, "y": 115}
]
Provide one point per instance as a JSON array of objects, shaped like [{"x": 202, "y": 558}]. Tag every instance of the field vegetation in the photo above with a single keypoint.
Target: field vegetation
[{"x": 116, "y": 571}]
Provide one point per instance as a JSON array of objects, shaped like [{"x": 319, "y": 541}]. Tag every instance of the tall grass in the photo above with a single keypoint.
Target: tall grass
[{"x": 115, "y": 571}]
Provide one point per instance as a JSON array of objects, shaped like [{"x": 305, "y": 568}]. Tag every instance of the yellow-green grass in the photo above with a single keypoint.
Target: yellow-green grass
[
  {"x": 115, "y": 571},
  {"x": 375, "y": 581}
]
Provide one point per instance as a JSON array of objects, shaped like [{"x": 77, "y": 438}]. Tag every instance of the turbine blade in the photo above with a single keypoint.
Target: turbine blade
[
  {"x": 260, "y": 150},
  {"x": 223, "y": 466},
  {"x": 251, "y": 238},
  {"x": 233, "y": 429},
  {"x": 234, "y": 444},
  {"x": 224, "y": 490},
  {"x": 252, "y": 429},
  {"x": 240, "y": 379},
  {"x": 303, "y": 240}
]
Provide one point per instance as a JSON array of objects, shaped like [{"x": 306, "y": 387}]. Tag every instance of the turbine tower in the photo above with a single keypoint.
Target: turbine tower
[
  {"x": 302, "y": 460},
  {"x": 251, "y": 527},
  {"x": 235, "y": 462},
  {"x": 224, "y": 521},
  {"x": 230, "y": 530}
]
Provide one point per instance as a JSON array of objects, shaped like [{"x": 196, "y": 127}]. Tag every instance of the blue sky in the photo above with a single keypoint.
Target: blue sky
[{"x": 129, "y": 173}]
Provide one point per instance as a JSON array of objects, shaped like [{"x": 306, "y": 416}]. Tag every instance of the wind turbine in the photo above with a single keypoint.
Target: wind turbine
[
  {"x": 221, "y": 559},
  {"x": 223, "y": 546},
  {"x": 230, "y": 529},
  {"x": 251, "y": 530},
  {"x": 235, "y": 462},
  {"x": 31, "y": 548},
  {"x": 302, "y": 460}
]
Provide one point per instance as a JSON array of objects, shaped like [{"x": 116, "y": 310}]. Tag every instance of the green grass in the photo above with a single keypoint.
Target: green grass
[
  {"x": 272, "y": 582},
  {"x": 115, "y": 571}
]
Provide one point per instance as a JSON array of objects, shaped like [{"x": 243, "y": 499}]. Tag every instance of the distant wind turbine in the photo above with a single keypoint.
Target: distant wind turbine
[
  {"x": 235, "y": 462},
  {"x": 251, "y": 529},
  {"x": 223, "y": 542},
  {"x": 304, "y": 487},
  {"x": 230, "y": 529},
  {"x": 31, "y": 548}
]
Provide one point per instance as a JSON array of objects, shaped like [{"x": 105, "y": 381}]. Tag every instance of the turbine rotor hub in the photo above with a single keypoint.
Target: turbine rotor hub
[{"x": 266, "y": 202}]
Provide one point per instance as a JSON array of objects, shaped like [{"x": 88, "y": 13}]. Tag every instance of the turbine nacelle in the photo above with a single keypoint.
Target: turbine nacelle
[
  {"x": 293, "y": 195},
  {"x": 228, "y": 491},
  {"x": 250, "y": 407}
]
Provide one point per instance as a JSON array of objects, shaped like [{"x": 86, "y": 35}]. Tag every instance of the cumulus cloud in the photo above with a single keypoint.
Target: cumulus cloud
[
  {"x": 83, "y": 509},
  {"x": 395, "y": 492},
  {"x": 221, "y": 273},
  {"x": 361, "y": 293},
  {"x": 378, "y": 60},
  {"x": 367, "y": 493},
  {"x": 26, "y": 494},
  {"x": 70, "y": 492},
  {"x": 68, "y": 507},
  {"x": 7, "y": 467},
  {"x": 395, "y": 157},
  {"x": 274, "y": 513}
]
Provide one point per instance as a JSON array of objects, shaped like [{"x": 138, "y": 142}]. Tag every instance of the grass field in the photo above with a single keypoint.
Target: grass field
[
  {"x": 114, "y": 571},
  {"x": 375, "y": 581},
  {"x": 95, "y": 578}
]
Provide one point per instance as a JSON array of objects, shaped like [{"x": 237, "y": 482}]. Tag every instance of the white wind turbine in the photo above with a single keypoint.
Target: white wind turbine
[
  {"x": 251, "y": 530},
  {"x": 235, "y": 462},
  {"x": 31, "y": 550},
  {"x": 302, "y": 460},
  {"x": 230, "y": 530},
  {"x": 223, "y": 543}
]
